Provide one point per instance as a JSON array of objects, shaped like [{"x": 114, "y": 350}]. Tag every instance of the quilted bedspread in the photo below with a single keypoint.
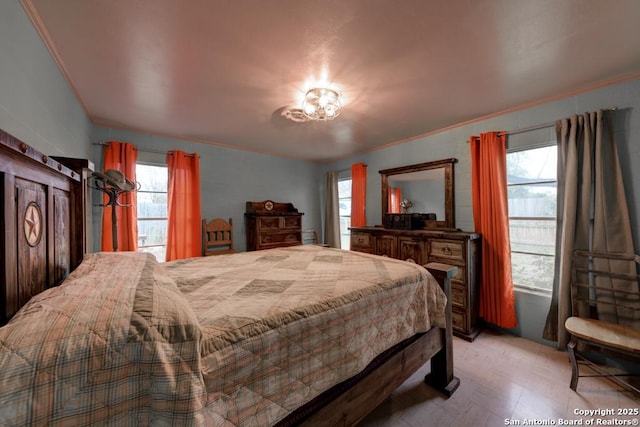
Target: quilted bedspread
[{"x": 230, "y": 340}]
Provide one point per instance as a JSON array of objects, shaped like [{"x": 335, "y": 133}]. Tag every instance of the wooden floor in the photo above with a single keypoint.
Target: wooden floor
[{"x": 505, "y": 380}]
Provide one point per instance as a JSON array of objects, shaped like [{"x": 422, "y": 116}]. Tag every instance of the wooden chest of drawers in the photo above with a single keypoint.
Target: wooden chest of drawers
[
  {"x": 464, "y": 284},
  {"x": 423, "y": 246},
  {"x": 277, "y": 225}
]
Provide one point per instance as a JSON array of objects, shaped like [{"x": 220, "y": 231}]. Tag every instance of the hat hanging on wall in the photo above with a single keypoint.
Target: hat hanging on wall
[
  {"x": 113, "y": 183},
  {"x": 115, "y": 178}
]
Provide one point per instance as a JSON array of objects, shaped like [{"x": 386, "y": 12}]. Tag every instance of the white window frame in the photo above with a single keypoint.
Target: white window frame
[
  {"x": 345, "y": 233},
  {"x": 144, "y": 248},
  {"x": 520, "y": 286}
]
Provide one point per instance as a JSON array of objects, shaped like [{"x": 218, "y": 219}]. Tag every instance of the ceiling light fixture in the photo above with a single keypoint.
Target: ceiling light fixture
[
  {"x": 295, "y": 115},
  {"x": 321, "y": 104}
]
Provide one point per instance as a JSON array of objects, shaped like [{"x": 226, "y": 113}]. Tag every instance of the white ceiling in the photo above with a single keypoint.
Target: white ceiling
[{"x": 221, "y": 71}]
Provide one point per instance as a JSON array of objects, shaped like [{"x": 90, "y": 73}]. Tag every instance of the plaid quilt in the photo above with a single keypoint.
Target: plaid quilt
[
  {"x": 230, "y": 340},
  {"x": 283, "y": 325},
  {"x": 115, "y": 344}
]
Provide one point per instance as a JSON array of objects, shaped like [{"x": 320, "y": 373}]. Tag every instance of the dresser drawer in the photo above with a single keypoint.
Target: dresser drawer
[
  {"x": 459, "y": 295},
  {"x": 269, "y": 223},
  {"x": 459, "y": 319},
  {"x": 361, "y": 242},
  {"x": 279, "y": 222},
  {"x": 267, "y": 239},
  {"x": 292, "y": 222},
  {"x": 449, "y": 249}
]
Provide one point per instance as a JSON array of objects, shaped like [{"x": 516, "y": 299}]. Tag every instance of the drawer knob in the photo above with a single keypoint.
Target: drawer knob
[{"x": 446, "y": 250}]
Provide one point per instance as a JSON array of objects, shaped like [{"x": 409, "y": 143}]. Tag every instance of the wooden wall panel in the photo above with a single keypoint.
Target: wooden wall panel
[{"x": 32, "y": 230}]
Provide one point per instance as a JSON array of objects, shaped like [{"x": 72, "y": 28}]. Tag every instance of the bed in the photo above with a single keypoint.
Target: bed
[{"x": 286, "y": 336}]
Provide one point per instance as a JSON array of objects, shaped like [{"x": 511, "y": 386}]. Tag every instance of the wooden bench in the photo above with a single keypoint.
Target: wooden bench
[{"x": 605, "y": 312}]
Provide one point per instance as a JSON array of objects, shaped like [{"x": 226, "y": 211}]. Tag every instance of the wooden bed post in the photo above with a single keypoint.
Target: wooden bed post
[{"x": 441, "y": 376}]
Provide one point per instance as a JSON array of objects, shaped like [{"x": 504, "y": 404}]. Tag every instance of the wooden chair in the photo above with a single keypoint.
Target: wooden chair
[
  {"x": 217, "y": 236},
  {"x": 605, "y": 305}
]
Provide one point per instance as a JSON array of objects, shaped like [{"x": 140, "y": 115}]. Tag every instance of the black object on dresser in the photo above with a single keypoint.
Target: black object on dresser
[
  {"x": 457, "y": 248},
  {"x": 407, "y": 221},
  {"x": 271, "y": 224}
]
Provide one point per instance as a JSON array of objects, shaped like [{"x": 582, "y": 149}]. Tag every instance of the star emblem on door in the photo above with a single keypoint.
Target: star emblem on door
[{"x": 33, "y": 224}]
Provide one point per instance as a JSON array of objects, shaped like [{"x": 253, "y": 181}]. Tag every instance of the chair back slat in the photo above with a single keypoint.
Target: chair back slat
[{"x": 217, "y": 237}]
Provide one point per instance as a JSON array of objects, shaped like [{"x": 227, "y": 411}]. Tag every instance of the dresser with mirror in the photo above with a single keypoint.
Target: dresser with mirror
[{"x": 419, "y": 226}]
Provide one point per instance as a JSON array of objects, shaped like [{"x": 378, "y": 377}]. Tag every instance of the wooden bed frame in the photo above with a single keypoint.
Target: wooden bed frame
[{"x": 45, "y": 237}]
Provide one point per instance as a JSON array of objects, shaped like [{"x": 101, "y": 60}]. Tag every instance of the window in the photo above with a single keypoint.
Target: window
[
  {"x": 532, "y": 189},
  {"x": 344, "y": 203},
  {"x": 152, "y": 209}
]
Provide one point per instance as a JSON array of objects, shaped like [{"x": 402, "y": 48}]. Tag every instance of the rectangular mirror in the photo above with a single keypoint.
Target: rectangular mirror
[{"x": 425, "y": 189}]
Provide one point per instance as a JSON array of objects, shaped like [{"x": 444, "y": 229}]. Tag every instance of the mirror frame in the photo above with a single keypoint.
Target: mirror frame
[{"x": 449, "y": 206}]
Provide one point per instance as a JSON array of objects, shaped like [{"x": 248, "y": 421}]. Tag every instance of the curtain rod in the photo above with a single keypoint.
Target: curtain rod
[
  {"x": 542, "y": 126},
  {"x": 529, "y": 129},
  {"x": 146, "y": 151},
  {"x": 349, "y": 169}
]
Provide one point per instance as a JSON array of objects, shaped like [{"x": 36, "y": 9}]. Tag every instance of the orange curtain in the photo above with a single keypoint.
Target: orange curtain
[
  {"x": 395, "y": 198},
  {"x": 491, "y": 219},
  {"x": 358, "y": 195},
  {"x": 184, "y": 226},
  {"x": 121, "y": 156}
]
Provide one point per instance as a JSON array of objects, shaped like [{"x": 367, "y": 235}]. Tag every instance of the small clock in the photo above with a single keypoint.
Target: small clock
[{"x": 268, "y": 205}]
